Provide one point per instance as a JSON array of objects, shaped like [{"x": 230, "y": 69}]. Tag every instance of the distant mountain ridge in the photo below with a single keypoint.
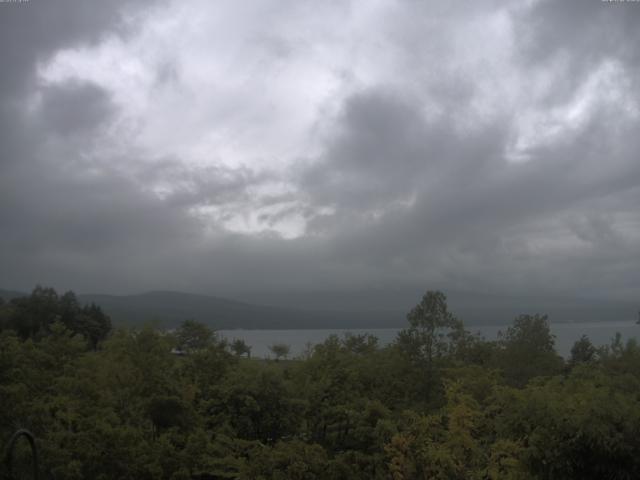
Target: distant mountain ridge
[
  {"x": 9, "y": 294},
  {"x": 169, "y": 308}
]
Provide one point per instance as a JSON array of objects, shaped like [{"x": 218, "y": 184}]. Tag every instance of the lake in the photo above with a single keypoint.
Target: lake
[{"x": 600, "y": 333}]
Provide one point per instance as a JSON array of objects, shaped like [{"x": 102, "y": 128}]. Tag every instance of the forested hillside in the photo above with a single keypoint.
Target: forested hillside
[{"x": 439, "y": 403}]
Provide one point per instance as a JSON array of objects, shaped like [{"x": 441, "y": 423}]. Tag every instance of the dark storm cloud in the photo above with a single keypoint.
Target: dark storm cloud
[
  {"x": 380, "y": 148},
  {"x": 55, "y": 223},
  {"x": 586, "y": 31},
  {"x": 81, "y": 232},
  {"x": 575, "y": 37},
  {"x": 473, "y": 205},
  {"x": 470, "y": 202},
  {"x": 32, "y": 30},
  {"x": 29, "y": 33},
  {"x": 414, "y": 185},
  {"x": 73, "y": 108}
]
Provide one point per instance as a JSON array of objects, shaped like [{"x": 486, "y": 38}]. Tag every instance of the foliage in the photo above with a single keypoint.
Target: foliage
[
  {"x": 240, "y": 348},
  {"x": 439, "y": 403},
  {"x": 433, "y": 330},
  {"x": 583, "y": 351},
  {"x": 280, "y": 350},
  {"x": 526, "y": 350},
  {"x": 33, "y": 316},
  {"x": 193, "y": 336}
]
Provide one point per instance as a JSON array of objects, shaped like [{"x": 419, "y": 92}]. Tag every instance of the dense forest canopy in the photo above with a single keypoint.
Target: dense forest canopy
[{"x": 438, "y": 403}]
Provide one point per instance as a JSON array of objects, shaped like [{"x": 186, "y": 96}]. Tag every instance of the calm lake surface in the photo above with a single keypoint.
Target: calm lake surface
[{"x": 600, "y": 333}]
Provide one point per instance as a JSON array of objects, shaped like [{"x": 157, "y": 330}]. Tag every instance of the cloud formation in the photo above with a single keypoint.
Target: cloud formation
[{"x": 297, "y": 146}]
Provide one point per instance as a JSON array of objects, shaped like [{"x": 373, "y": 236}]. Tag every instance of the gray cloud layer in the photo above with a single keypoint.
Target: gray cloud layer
[{"x": 423, "y": 145}]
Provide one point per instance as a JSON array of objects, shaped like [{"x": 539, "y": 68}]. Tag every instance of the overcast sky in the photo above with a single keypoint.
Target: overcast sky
[{"x": 224, "y": 147}]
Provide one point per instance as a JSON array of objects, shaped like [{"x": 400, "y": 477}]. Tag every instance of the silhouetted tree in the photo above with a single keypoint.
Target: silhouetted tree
[
  {"x": 527, "y": 350},
  {"x": 583, "y": 351},
  {"x": 193, "y": 335},
  {"x": 433, "y": 329},
  {"x": 239, "y": 347},
  {"x": 280, "y": 350}
]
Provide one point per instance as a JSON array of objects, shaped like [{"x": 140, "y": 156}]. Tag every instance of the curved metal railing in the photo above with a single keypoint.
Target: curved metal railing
[{"x": 8, "y": 460}]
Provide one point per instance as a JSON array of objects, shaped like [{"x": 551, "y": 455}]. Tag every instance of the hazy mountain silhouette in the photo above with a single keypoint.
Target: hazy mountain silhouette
[
  {"x": 168, "y": 308},
  {"x": 338, "y": 310}
]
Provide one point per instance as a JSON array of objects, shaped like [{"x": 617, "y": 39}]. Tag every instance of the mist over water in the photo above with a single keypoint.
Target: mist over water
[{"x": 600, "y": 333}]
